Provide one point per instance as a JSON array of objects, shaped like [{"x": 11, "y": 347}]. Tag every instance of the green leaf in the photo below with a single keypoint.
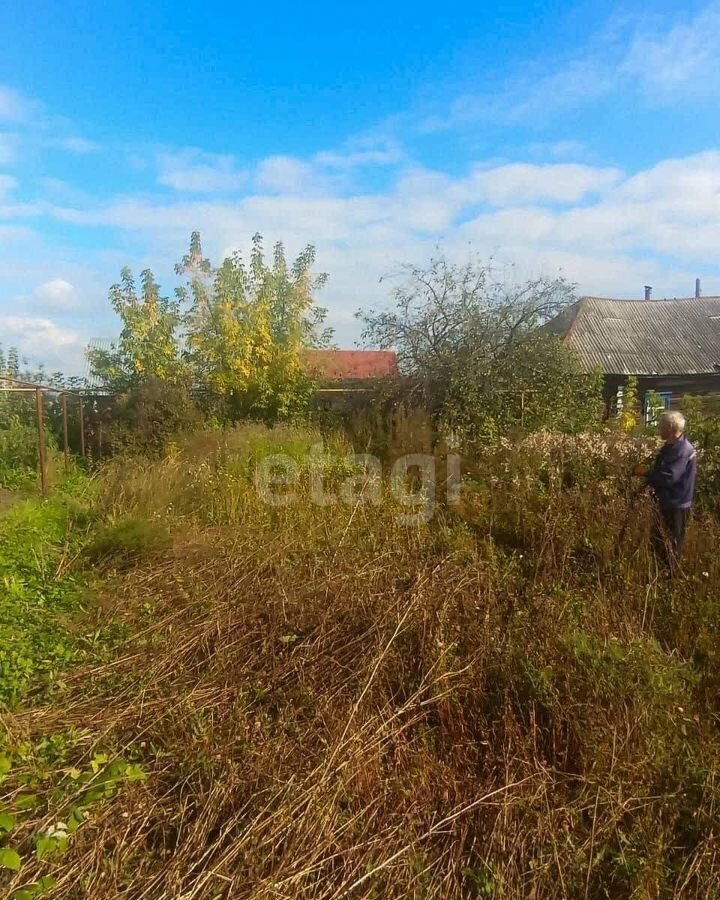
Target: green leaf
[
  {"x": 9, "y": 859},
  {"x": 99, "y": 760},
  {"x": 27, "y": 801},
  {"x": 75, "y": 820},
  {"x": 93, "y": 796},
  {"x": 36, "y": 888},
  {"x": 5, "y": 764},
  {"x": 44, "y": 846},
  {"x": 134, "y": 772},
  {"x": 7, "y": 823}
]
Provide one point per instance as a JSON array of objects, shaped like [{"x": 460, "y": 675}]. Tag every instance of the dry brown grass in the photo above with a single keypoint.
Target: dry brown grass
[{"x": 329, "y": 704}]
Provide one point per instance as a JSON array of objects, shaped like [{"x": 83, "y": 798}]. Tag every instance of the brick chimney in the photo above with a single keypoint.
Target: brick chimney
[{"x": 648, "y": 291}]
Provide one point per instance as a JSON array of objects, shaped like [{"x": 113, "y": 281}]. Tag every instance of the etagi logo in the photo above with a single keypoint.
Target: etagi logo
[{"x": 412, "y": 483}]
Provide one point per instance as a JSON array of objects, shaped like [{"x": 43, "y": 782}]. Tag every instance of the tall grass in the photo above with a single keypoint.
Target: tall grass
[{"x": 511, "y": 701}]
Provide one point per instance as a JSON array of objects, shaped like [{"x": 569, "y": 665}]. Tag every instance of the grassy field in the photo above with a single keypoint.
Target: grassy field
[{"x": 207, "y": 696}]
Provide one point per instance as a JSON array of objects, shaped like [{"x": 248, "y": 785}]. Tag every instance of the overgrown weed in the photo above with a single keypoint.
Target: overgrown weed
[{"x": 509, "y": 702}]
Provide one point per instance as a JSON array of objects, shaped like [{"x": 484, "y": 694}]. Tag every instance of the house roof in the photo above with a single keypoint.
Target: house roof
[
  {"x": 644, "y": 337},
  {"x": 342, "y": 365}
]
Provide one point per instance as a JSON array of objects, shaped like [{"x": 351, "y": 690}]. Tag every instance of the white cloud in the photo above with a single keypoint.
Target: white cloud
[
  {"x": 610, "y": 231},
  {"x": 579, "y": 82},
  {"x": 672, "y": 208},
  {"x": 327, "y": 172},
  {"x": 674, "y": 61},
  {"x": 561, "y": 183},
  {"x": 363, "y": 153},
  {"x": 78, "y": 145},
  {"x": 287, "y": 175},
  {"x": 14, "y": 107},
  {"x": 15, "y": 233},
  {"x": 40, "y": 339},
  {"x": 192, "y": 170},
  {"x": 8, "y": 148},
  {"x": 567, "y": 148},
  {"x": 539, "y": 93},
  {"x": 678, "y": 62},
  {"x": 7, "y": 184},
  {"x": 57, "y": 293}
]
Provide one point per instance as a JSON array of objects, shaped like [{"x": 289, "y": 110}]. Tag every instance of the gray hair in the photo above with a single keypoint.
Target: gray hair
[{"x": 675, "y": 419}]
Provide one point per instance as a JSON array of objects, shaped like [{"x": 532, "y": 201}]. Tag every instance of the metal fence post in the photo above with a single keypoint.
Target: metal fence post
[
  {"x": 81, "y": 410},
  {"x": 41, "y": 437},
  {"x": 66, "y": 447}
]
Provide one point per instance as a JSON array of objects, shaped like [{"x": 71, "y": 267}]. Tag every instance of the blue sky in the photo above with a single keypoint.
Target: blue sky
[{"x": 580, "y": 139}]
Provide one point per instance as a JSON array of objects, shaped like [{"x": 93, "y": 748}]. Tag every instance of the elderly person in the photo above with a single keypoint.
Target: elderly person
[{"x": 672, "y": 481}]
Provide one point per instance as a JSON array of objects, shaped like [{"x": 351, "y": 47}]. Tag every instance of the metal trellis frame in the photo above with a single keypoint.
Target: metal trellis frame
[{"x": 10, "y": 385}]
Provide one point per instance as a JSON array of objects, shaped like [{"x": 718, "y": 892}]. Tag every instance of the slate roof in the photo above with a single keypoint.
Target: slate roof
[
  {"x": 346, "y": 365},
  {"x": 644, "y": 337}
]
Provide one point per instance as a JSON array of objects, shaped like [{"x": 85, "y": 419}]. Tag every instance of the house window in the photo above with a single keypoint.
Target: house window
[{"x": 656, "y": 402}]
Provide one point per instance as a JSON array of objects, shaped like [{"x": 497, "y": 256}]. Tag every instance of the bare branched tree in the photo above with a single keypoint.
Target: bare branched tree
[{"x": 462, "y": 334}]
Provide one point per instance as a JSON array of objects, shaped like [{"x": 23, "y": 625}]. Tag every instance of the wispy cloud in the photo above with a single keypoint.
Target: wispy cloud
[
  {"x": 195, "y": 171},
  {"x": 534, "y": 213},
  {"x": 15, "y": 107},
  {"x": 39, "y": 337},
  {"x": 78, "y": 145},
  {"x": 680, "y": 62},
  {"x": 520, "y": 184},
  {"x": 57, "y": 293},
  {"x": 7, "y": 184},
  {"x": 288, "y": 175},
  {"x": 8, "y": 148},
  {"x": 33, "y": 128},
  {"x": 370, "y": 202},
  {"x": 328, "y": 171},
  {"x": 362, "y": 153},
  {"x": 661, "y": 60},
  {"x": 15, "y": 233}
]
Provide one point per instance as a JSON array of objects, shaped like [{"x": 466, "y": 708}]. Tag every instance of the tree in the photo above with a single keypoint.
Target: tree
[
  {"x": 629, "y": 406},
  {"x": 236, "y": 333},
  {"x": 476, "y": 353},
  {"x": 198, "y": 271},
  {"x": 247, "y": 329},
  {"x": 149, "y": 344},
  {"x": 10, "y": 363}
]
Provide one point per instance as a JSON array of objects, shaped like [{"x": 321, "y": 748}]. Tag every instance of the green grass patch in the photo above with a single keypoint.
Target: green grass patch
[
  {"x": 126, "y": 541},
  {"x": 40, "y": 592}
]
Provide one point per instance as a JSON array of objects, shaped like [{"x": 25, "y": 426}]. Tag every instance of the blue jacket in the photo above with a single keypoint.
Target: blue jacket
[{"x": 672, "y": 477}]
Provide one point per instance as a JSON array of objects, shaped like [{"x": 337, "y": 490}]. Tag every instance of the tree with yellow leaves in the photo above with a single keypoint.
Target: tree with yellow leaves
[
  {"x": 246, "y": 331},
  {"x": 236, "y": 334},
  {"x": 149, "y": 345}
]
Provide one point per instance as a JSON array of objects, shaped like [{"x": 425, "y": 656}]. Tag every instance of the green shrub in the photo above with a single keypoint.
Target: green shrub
[
  {"x": 37, "y": 599},
  {"x": 148, "y": 417},
  {"x": 126, "y": 541},
  {"x": 18, "y": 453}
]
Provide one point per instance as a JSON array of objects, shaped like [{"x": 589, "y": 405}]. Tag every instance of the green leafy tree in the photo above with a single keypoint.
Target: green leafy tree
[
  {"x": 198, "y": 272},
  {"x": 9, "y": 362},
  {"x": 236, "y": 333},
  {"x": 248, "y": 328},
  {"x": 149, "y": 344},
  {"x": 476, "y": 354},
  {"x": 629, "y": 413}
]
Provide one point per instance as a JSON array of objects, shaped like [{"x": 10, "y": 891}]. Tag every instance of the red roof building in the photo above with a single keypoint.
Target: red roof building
[{"x": 350, "y": 365}]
